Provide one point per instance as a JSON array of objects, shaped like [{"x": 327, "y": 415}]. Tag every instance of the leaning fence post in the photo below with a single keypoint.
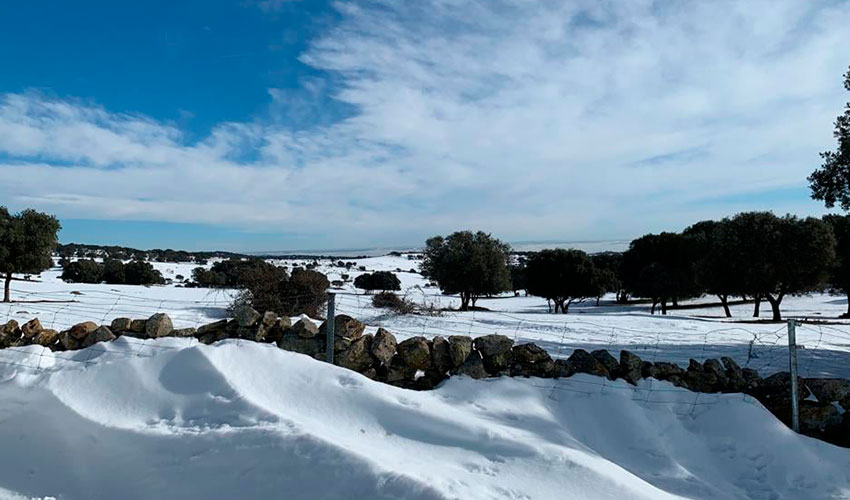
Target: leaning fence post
[
  {"x": 329, "y": 328},
  {"x": 792, "y": 353}
]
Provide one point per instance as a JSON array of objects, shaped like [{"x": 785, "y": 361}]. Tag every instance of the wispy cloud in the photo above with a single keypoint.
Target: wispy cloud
[{"x": 523, "y": 118}]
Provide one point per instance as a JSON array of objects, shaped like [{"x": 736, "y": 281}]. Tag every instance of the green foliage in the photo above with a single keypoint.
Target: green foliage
[
  {"x": 469, "y": 264},
  {"x": 139, "y": 272},
  {"x": 231, "y": 273},
  {"x": 519, "y": 278},
  {"x": 272, "y": 289},
  {"x": 562, "y": 276},
  {"x": 831, "y": 183},
  {"x": 82, "y": 271},
  {"x": 379, "y": 280},
  {"x": 389, "y": 300},
  {"x": 839, "y": 276},
  {"x": 113, "y": 272},
  {"x": 660, "y": 267},
  {"x": 27, "y": 241},
  {"x": 607, "y": 267}
]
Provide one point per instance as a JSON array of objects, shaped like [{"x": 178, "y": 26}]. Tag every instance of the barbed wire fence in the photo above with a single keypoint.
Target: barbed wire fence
[{"x": 823, "y": 350}]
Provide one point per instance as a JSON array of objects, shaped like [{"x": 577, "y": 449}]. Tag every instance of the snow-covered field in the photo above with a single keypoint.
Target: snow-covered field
[{"x": 174, "y": 419}]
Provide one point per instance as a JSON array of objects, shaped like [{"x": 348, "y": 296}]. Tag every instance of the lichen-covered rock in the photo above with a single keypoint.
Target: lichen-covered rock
[
  {"x": 82, "y": 330},
  {"x": 498, "y": 364},
  {"x": 120, "y": 324},
  {"x": 344, "y": 326},
  {"x": 398, "y": 372},
  {"x": 68, "y": 342},
  {"x": 46, "y": 337},
  {"x": 492, "y": 345},
  {"x": 211, "y": 337},
  {"x": 9, "y": 333},
  {"x": 415, "y": 353},
  {"x": 264, "y": 327},
  {"x": 137, "y": 329},
  {"x": 183, "y": 332},
  {"x": 311, "y": 346},
  {"x": 441, "y": 356},
  {"x": 358, "y": 356},
  {"x": 102, "y": 334},
  {"x": 631, "y": 367},
  {"x": 828, "y": 390},
  {"x": 581, "y": 361},
  {"x": 664, "y": 371},
  {"x": 158, "y": 325},
  {"x": 612, "y": 366},
  {"x": 216, "y": 326},
  {"x": 31, "y": 328},
  {"x": 714, "y": 367},
  {"x": 735, "y": 381},
  {"x": 246, "y": 316},
  {"x": 305, "y": 329},
  {"x": 460, "y": 346},
  {"x": 384, "y": 346},
  {"x": 531, "y": 360}
]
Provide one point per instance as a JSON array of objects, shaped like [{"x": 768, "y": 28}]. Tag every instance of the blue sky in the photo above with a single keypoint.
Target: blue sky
[{"x": 263, "y": 125}]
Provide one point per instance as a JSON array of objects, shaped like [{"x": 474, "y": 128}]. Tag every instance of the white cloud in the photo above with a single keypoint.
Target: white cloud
[{"x": 530, "y": 119}]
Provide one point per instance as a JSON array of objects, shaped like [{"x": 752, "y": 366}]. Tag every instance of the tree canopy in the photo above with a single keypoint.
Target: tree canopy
[
  {"x": 831, "y": 182},
  {"x": 469, "y": 264},
  {"x": 27, "y": 241},
  {"x": 379, "y": 280},
  {"x": 561, "y": 276},
  {"x": 660, "y": 267}
]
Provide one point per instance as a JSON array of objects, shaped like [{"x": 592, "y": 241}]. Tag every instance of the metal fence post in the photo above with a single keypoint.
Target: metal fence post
[
  {"x": 792, "y": 353},
  {"x": 329, "y": 328}
]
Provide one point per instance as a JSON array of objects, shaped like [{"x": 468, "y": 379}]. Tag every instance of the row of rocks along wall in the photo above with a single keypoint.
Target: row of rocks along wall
[{"x": 421, "y": 363}]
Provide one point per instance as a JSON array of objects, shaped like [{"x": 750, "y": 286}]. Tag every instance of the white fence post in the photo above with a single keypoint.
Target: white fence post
[
  {"x": 329, "y": 328},
  {"x": 792, "y": 353}
]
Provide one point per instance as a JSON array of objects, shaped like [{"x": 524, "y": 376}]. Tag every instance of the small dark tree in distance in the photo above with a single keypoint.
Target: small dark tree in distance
[
  {"x": 27, "y": 241},
  {"x": 470, "y": 264},
  {"x": 561, "y": 276},
  {"x": 82, "y": 271},
  {"x": 831, "y": 183}
]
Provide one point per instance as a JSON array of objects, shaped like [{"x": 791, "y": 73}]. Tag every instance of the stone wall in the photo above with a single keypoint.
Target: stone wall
[{"x": 420, "y": 363}]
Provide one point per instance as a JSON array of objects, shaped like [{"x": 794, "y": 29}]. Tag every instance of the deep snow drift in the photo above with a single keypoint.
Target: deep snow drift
[{"x": 246, "y": 420}]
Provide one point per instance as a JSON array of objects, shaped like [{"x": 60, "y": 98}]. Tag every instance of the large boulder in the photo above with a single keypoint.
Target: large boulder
[
  {"x": 82, "y": 330},
  {"x": 102, "y": 334},
  {"x": 46, "y": 337},
  {"x": 9, "y": 333},
  {"x": 305, "y": 329},
  {"x": 246, "y": 316},
  {"x": 493, "y": 345},
  {"x": 31, "y": 328},
  {"x": 216, "y": 326},
  {"x": 158, "y": 325},
  {"x": 265, "y": 326},
  {"x": 735, "y": 381},
  {"x": 714, "y": 367},
  {"x": 460, "y": 346},
  {"x": 612, "y": 366},
  {"x": 358, "y": 356},
  {"x": 68, "y": 342},
  {"x": 183, "y": 332},
  {"x": 344, "y": 326},
  {"x": 631, "y": 367},
  {"x": 398, "y": 373},
  {"x": 311, "y": 346},
  {"x": 415, "y": 353},
  {"x": 828, "y": 390},
  {"x": 383, "y": 346},
  {"x": 137, "y": 329}
]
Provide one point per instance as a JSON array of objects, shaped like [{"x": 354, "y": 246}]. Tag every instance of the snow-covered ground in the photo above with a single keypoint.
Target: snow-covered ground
[
  {"x": 170, "y": 418},
  {"x": 252, "y": 421}
]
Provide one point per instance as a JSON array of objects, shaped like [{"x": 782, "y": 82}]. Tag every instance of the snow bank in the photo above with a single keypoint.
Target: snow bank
[{"x": 246, "y": 420}]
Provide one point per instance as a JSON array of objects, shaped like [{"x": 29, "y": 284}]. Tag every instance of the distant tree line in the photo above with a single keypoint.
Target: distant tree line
[{"x": 110, "y": 271}]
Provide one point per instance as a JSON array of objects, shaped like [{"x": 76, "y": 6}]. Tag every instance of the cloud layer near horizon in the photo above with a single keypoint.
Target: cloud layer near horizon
[{"x": 533, "y": 120}]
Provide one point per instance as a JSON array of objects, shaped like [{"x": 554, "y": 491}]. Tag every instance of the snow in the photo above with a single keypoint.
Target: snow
[
  {"x": 171, "y": 418},
  {"x": 246, "y": 420}
]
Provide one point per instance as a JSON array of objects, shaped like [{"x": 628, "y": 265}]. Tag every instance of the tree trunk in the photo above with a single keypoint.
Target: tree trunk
[
  {"x": 652, "y": 311},
  {"x": 597, "y": 301},
  {"x": 664, "y": 307},
  {"x": 675, "y": 302},
  {"x": 757, "y": 298},
  {"x": 6, "y": 295},
  {"x": 464, "y": 301},
  {"x": 724, "y": 300},
  {"x": 774, "y": 304},
  {"x": 848, "y": 304},
  {"x": 565, "y": 307}
]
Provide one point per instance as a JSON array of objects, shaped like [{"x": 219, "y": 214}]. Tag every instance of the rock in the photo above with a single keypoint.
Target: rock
[
  {"x": 531, "y": 360},
  {"x": 608, "y": 361},
  {"x": 345, "y": 326},
  {"x": 460, "y": 347},
  {"x": 631, "y": 367},
  {"x": 735, "y": 381},
  {"x": 246, "y": 316},
  {"x": 31, "y": 328},
  {"x": 102, "y": 334},
  {"x": 46, "y": 337},
  {"x": 701, "y": 381},
  {"x": 647, "y": 369},
  {"x": 68, "y": 342},
  {"x": 383, "y": 346},
  {"x": 311, "y": 346},
  {"x": 212, "y": 337},
  {"x": 274, "y": 334},
  {"x": 266, "y": 325},
  {"x": 138, "y": 326},
  {"x": 305, "y": 329},
  {"x": 774, "y": 392},
  {"x": 498, "y": 364},
  {"x": 441, "y": 356},
  {"x": 714, "y": 367},
  {"x": 828, "y": 390},
  {"x": 664, "y": 371},
  {"x": 398, "y": 372},
  {"x": 358, "y": 356},
  {"x": 183, "y": 332},
  {"x": 751, "y": 378},
  {"x": 216, "y": 326},
  {"x": 694, "y": 365},
  {"x": 158, "y": 325},
  {"x": 581, "y": 361},
  {"x": 82, "y": 330},
  {"x": 9, "y": 333},
  {"x": 817, "y": 419},
  {"x": 120, "y": 324},
  {"x": 473, "y": 367},
  {"x": 415, "y": 353},
  {"x": 492, "y": 345}
]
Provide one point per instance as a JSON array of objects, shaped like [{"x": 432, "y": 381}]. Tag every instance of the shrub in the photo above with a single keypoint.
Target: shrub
[
  {"x": 389, "y": 300},
  {"x": 139, "y": 272},
  {"x": 113, "y": 272},
  {"x": 82, "y": 271},
  {"x": 272, "y": 289},
  {"x": 379, "y": 280}
]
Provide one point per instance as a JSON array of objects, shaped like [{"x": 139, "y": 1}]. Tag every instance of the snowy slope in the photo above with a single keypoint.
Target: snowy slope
[{"x": 246, "y": 420}]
